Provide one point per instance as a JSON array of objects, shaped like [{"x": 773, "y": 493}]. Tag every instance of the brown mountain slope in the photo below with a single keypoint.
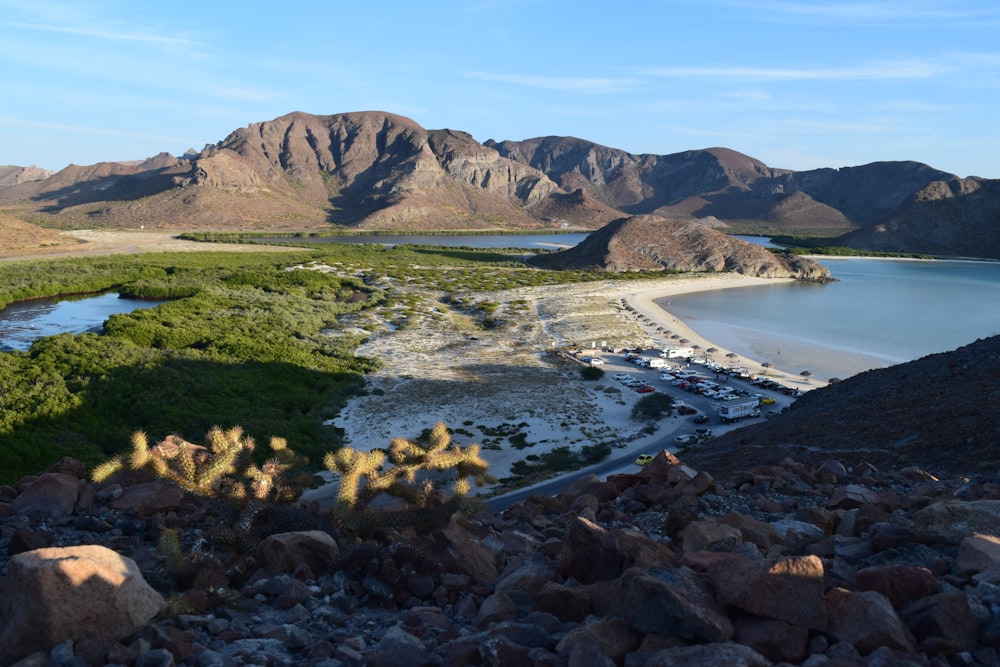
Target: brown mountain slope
[
  {"x": 377, "y": 170},
  {"x": 12, "y": 175},
  {"x": 958, "y": 217},
  {"x": 17, "y": 235},
  {"x": 938, "y": 412},
  {"x": 652, "y": 243},
  {"x": 370, "y": 170}
]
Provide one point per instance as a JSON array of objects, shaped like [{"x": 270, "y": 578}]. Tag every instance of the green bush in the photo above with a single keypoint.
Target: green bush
[
  {"x": 591, "y": 373},
  {"x": 652, "y": 406}
]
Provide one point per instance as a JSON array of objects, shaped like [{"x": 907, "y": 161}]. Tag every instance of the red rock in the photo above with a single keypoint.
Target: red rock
[
  {"x": 776, "y": 640},
  {"x": 590, "y": 553},
  {"x": 150, "y": 498},
  {"x": 978, "y": 553},
  {"x": 901, "y": 584},
  {"x": 51, "y": 595},
  {"x": 286, "y": 552},
  {"x": 710, "y": 535},
  {"x": 945, "y": 616},
  {"x": 51, "y": 494},
  {"x": 610, "y": 637},
  {"x": 853, "y": 495},
  {"x": 673, "y": 603},
  {"x": 866, "y": 620},
  {"x": 788, "y": 589}
]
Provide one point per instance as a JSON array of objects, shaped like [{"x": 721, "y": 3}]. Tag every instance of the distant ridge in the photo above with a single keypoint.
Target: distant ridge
[{"x": 377, "y": 170}]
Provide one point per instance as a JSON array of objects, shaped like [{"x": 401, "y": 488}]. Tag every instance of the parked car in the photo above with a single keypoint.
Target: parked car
[
  {"x": 767, "y": 401},
  {"x": 621, "y": 376},
  {"x": 645, "y": 389},
  {"x": 686, "y": 410},
  {"x": 700, "y": 419},
  {"x": 686, "y": 439},
  {"x": 703, "y": 433},
  {"x": 643, "y": 459}
]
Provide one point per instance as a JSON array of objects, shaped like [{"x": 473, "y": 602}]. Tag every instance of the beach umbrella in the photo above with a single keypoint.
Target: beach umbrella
[
  {"x": 712, "y": 350},
  {"x": 834, "y": 380},
  {"x": 674, "y": 337},
  {"x": 696, "y": 347},
  {"x": 766, "y": 365},
  {"x": 684, "y": 341},
  {"x": 806, "y": 374},
  {"x": 732, "y": 355}
]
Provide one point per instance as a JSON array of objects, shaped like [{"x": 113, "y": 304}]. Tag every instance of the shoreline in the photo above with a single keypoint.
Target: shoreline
[{"x": 644, "y": 302}]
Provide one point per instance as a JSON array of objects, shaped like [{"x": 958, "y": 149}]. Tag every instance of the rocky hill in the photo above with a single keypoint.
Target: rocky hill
[
  {"x": 377, "y": 170},
  {"x": 652, "y": 243},
  {"x": 938, "y": 412}
]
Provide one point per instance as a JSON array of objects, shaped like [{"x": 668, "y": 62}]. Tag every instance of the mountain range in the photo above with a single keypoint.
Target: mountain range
[{"x": 381, "y": 171}]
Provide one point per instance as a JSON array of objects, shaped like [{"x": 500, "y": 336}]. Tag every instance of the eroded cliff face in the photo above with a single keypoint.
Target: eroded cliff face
[
  {"x": 652, "y": 243},
  {"x": 376, "y": 170}
]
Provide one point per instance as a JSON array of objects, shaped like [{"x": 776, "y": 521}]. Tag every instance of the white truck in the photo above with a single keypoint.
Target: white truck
[
  {"x": 737, "y": 410},
  {"x": 678, "y": 352},
  {"x": 657, "y": 362}
]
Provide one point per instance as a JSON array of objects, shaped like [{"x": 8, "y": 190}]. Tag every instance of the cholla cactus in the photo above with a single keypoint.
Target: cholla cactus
[
  {"x": 225, "y": 467},
  {"x": 364, "y": 477}
]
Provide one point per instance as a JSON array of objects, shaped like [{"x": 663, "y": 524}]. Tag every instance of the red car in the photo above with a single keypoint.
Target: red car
[
  {"x": 686, "y": 410},
  {"x": 645, "y": 389}
]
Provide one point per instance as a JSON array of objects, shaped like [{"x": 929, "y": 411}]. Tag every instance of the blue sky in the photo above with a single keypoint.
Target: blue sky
[{"x": 799, "y": 85}]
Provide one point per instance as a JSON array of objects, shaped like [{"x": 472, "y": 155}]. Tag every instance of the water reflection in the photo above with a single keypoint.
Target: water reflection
[{"x": 22, "y": 323}]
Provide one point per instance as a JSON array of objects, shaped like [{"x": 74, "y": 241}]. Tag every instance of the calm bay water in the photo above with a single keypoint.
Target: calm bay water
[
  {"x": 471, "y": 241},
  {"x": 880, "y": 312},
  {"x": 24, "y": 322}
]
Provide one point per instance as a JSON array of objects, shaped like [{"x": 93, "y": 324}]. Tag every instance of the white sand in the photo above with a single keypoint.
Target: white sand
[{"x": 488, "y": 386}]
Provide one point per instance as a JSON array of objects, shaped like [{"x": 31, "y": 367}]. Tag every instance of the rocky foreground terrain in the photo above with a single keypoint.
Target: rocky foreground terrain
[{"x": 785, "y": 564}]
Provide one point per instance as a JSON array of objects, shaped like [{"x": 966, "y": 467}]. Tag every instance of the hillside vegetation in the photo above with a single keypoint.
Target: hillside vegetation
[{"x": 264, "y": 341}]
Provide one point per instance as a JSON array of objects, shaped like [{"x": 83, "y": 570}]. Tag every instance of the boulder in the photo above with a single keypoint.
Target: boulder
[
  {"x": 149, "y": 498},
  {"x": 901, "y": 584},
  {"x": 951, "y": 521},
  {"x": 710, "y": 535},
  {"x": 866, "y": 620},
  {"x": 708, "y": 655},
  {"x": 287, "y": 552},
  {"x": 776, "y": 640},
  {"x": 51, "y": 494},
  {"x": 673, "y": 603},
  {"x": 945, "y": 619},
  {"x": 590, "y": 553},
  {"x": 787, "y": 589},
  {"x": 470, "y": 553},
  {"x": 978, "y": 553},
  {"x": 71, "y": 593}
]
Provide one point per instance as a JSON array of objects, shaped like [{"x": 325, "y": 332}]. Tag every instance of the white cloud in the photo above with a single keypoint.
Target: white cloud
[
  {"x": 890, "y": 70},
  {"x": 566, "y": 84},
  {"x": 937, "y": 12}
]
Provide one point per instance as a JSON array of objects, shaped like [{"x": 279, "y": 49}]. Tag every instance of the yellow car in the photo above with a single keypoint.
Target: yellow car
[
  {"x": 643, "y": 459},
  {"x": 767, "y": 401}
]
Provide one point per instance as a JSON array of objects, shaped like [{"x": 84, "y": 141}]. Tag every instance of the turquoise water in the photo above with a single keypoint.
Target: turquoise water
[{"x": 880, "y": 312}]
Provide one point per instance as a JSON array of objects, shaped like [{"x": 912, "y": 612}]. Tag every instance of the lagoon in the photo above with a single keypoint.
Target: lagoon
[{"x": 24, "y": 322}]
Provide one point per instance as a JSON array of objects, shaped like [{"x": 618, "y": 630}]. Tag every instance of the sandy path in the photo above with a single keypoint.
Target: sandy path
[{"x": 98, "y": 242}]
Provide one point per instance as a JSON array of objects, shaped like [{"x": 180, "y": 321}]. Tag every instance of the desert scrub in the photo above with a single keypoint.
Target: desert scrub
[{"x": 411, "y": 470}]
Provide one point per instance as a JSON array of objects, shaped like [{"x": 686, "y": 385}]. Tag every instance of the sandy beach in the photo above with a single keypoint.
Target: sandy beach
[{"x": 512, "y": 393}]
